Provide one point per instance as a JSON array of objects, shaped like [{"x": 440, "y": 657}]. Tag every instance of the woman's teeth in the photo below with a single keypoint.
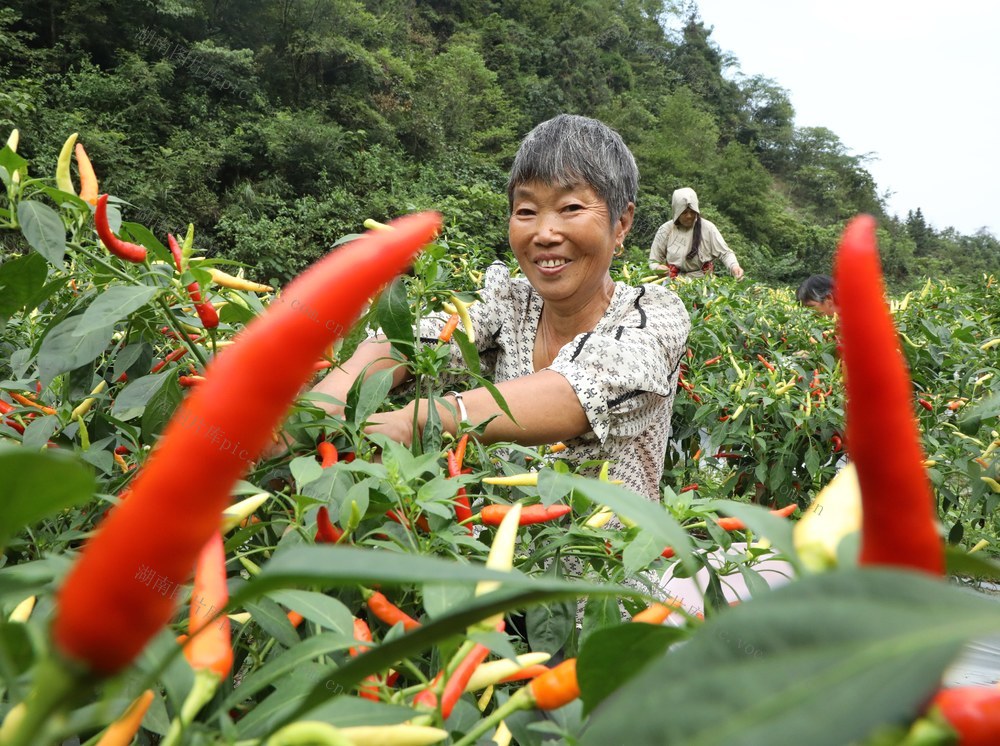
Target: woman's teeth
[{"x": 551, "y": 263}]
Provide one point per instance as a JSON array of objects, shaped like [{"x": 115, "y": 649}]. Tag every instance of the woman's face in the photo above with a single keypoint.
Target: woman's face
[
  {"x": 564, "y": 240},
  {"x": 687, "y": 218},
  {"x": 825, "y": 307}
]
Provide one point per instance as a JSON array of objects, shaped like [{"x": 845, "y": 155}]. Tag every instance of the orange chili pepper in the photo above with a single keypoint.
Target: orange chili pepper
[
  {"x": 210, "y": 644},
  {"x": 766, "y": 364},
  {"x": 735, "y": 524},
  {"x": 387, "y": 612},
  {"x": 363, "y": 632},
  {"x": 327, "y": 453},
  {"x": 121, "y": 732},
  {"x": 21, "y": 399},
  {"x": 449, "y": 328},
  {"x": 655, "y": 613},
  {"x": 555, "y": 688}
]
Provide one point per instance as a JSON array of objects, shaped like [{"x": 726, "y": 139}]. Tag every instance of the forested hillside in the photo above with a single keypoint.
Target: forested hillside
[{"x": 279, "y": 126}]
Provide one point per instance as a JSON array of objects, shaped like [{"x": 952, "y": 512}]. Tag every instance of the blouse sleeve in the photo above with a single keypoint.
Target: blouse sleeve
[
  {"x": 619, "y": 376},
  {"x": 658, "y": 251},
  {"x": 719, "y": 248},
  {"x": 496, "y": 303}
]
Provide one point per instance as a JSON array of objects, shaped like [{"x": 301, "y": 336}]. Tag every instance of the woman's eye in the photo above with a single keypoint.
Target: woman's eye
[
  {"x": 524, "y": 212},
  {"x": 572, "y": 208}
]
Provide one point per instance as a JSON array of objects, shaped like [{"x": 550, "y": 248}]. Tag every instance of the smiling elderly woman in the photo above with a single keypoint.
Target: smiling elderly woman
[{"x": 578, "y": 357}]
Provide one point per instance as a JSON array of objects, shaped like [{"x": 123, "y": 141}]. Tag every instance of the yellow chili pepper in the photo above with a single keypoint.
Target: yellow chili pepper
[
  {"x": 992, "y": 483},
  {"x": 87, "y": 403},
  {"x": 64, "y": 182},
  {"x": 23, "y": 610},
  {"x": 528, "y": 479},
  {"x": 234, "y": 515},
  {"x": 462, "y": 309},
  {"x": 374, "y": 225},
  {"x": 492, "y": 672},
  {"x": 227, "y": 280}
]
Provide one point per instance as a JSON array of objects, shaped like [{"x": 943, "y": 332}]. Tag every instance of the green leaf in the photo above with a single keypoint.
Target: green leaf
[
  {"x": 21, "y": 279},
  {"x": 273, "y": 620},
  {"x": 613, "y": 655},
  {"x": 842, "y": 654},
  {"x": 549, "y": 626},
  {"x": 651, "y": 516},
  {"x": 395, "y": 318},
  {"x": 160, "y": 408},
  {"x": 37, "y": 434},
  {"x": 44, "y": 231},
  {"x": 469, "y": 352},
  {"x": 325, "y": 611},
  {"x": 305, "y": 470},
  {"x": 63, "y": 350},
  {"x": 641, "y": 551},
  {"x": 132, "y": 400},
  {"x": 36, "y": 485},
  {"x": 371, "y": 394},
  {"x": 279, "y": 667},
  {"x": 115, "y": 304}
]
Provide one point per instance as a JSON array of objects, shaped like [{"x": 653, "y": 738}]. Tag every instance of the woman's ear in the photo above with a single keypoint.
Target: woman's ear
[{"x": 624, "y": 224}]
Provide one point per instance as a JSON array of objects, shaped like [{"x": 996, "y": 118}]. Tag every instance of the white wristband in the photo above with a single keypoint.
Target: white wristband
[{"x": 463, "y": 414}]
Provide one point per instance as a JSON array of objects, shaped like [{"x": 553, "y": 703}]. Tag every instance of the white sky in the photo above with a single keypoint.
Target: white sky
[{"x": 915, "y": 83}]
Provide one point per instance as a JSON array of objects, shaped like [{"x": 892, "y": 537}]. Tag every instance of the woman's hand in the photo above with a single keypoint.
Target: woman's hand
[
  {"x": 737, "y": 272},
  {"x": 396, "y": 425}
]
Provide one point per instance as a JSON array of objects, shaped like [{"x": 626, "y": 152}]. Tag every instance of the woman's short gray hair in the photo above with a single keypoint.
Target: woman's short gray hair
[{"x": 569, "y": 149}]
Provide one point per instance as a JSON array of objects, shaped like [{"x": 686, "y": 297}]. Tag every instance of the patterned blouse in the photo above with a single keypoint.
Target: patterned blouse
[{"x": 624, "y": 371}]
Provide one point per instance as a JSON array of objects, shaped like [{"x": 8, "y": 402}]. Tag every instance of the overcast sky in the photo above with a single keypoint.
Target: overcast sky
[{"x": 915, "y": 83}]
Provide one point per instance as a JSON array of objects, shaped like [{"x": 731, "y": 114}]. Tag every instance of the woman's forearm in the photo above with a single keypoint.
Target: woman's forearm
[
  {"x": 545, "y": 407},
  {"x": 371, "y": 356}
]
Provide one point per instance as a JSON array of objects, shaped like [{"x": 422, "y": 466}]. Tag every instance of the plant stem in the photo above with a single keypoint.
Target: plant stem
[
  {"x": 55, "y": 686},
  {"x": 509, "y": 707}
]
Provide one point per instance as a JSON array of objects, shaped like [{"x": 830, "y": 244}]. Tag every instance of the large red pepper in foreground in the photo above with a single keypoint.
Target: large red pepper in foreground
[
  {"x": 898, "y": 522},
  {"x": 131, "y": 567}
]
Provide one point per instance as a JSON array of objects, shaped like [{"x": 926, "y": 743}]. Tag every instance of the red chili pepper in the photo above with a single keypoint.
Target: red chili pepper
[
  {"x": 122, "y": 450},
  {"x": 427, "y": 697},
  {"x": 362, "y": 632},
  {"x": 422, "y": 523},
  {"x": 463, "y": 510},
  {"x": 724, "y": 418},
  {"x": 208, "y": 445},
  {"x": 327, "y": 453},
  {"x": 206, "y": 311},
  {"x": 172, "y": 356},
  {"x": 766, "y": 364},
  {"x": 726, "y": 454},
  {"x": 974, "y": 713},
  {"x": 688, "y": 488},
  {"x": 814, "y": 383},
  {"x": 387, "y": 612},
  {"x": 838, "y": 444},
  {"x": 449, "y": 328},
  {"x": 695, "y": 398},
  {"x": 189, "y": 381},
  {"x": 713, "y": 360},
  {"x": 491, "y": 515},
  {"x": 209, "y": 644},
  {"x": 326, "y": 532},
  {"x": 455, "y": 685},
  {"x": 321, "y": 365},
  {"x": 898, "y": 508},
  {"x": 926, "y": 405},
  {"x": 130, "y": 252}
]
